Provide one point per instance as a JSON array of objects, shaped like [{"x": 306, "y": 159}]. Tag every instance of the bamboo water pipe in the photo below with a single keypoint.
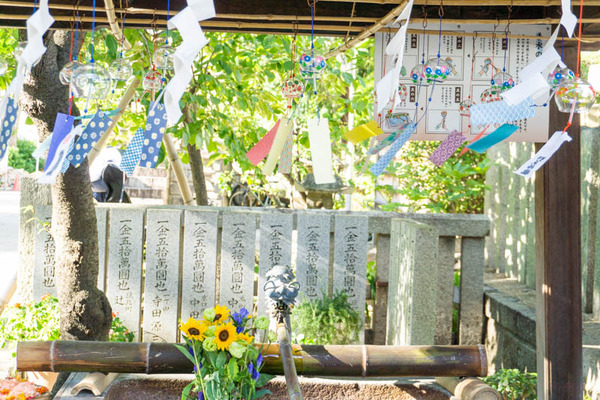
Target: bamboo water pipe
[{"x": 352, "y": 360}]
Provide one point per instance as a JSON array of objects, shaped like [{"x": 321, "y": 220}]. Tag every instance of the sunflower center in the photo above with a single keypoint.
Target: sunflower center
[
  {"x": 193, "y": 331},
  {"x": 223, "y": 336},
  {"x": 217, "y": 317}
]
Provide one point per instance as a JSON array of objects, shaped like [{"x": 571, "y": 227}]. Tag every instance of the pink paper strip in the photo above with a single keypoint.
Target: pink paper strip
[
  {"x": 262, "y": 148},
  {"x": 447, "y": 148}
]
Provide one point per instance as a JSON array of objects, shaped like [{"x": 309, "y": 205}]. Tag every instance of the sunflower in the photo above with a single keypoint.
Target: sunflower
[
  {"x": 221, "y": 314},
  {"x": 193, "y": 329},
  {"x": 225, "y": 335},
  {"x": 247, "y": 338}
]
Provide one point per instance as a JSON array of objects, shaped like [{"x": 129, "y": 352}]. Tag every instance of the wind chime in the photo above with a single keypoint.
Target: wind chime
[{"x": 293, "y": 87}]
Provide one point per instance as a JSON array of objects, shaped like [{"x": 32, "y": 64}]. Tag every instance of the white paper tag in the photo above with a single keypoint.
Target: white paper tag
[
  {"x": 386, "y": 87},
  {"x": 568, "y": 19},
  {"x": 552, "y": 145},
  {"x": 320, "y": 148}
]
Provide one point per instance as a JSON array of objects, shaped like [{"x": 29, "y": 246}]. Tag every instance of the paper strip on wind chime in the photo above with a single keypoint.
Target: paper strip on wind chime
[
  {"x": 381, "y": 164},
  {"x": 7, "y": 126},
  {"x": 89, "y": 137},
  {"x": 320, "y": 149},
  {"x": 493, "y": 138},
  {"x": 76, "y": 132},
  {"x": 62, "y": 136},
  {"x": 132, "y": 154},
  {"x": 499, "y": 112},
  {"x": 363, "y": 132},
  {"x": 543, "y": 155},
  {"x": 287, "y": 155},
  {"x": 283, "y": 130},
  {"x": 447, "y": 148},
  {"x": 261, "y": 149},
  {"x": 155, "y": 129}
]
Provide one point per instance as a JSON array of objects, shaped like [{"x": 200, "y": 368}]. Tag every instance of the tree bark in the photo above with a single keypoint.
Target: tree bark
[
  {"x": 196, "y": 163},
  {"x": 85, "y": 313}
]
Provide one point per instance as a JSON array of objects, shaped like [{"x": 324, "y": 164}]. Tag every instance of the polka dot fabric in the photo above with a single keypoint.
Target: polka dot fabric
[
  {"x": 156, "y": 124},
  {"x": 90, "y": 135},
  {"x": 7, "y": 126}
]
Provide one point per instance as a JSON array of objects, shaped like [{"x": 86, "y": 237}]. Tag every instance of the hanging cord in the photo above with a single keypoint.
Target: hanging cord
[
  {"x": 168, "y": 13},
  {"x": 420, "y": 85},
  {"x": 506, "y": 30},
  {"x": 441, "y": 14},
  {"x": 579, "y": 38},
  {"x": 93, "y": 30},
  {"x": 71, "y": 58}
]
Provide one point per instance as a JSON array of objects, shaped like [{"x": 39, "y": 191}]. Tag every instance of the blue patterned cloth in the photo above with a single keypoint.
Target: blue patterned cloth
[
  {"x": 132, "y": 155},
  {"x": 381, "y": 164},
  {"x": 499, "y": 112},
  {"x": 89, "y": 137},
  {"x": 8, "y": 125},
  {"x": 156, "y": 124}
]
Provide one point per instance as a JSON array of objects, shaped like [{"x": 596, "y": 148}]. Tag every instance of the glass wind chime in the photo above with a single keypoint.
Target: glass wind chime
[
  {"x": 501, "y": 81},
  {"x": 573, "y": 94},
  {"x": 120, "y": 69},
  {"x": 312, "y": 63},
  {"x": 162, "y": 62},
  {"x": 293, "y": 87}
]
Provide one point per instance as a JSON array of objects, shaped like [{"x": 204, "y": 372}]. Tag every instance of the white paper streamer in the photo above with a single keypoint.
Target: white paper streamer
[
  {"x": 193, "y": 40},
  {"x": 385, "y": 88},
  {"x": 283, "y": 131},
  {"x": 396, "y": 46},
  {"x": 320, "y": 149},
  {"x": 37, "y": 25},
  {"x": 541, "y": 157},
  {"x": 533, "y": 76}
]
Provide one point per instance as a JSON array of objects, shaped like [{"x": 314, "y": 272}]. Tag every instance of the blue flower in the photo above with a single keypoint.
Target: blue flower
[
  {"x": 259, "y": 361},
  {"x": 244, "y": 313},
  {"x": 239, "y": 329},
  {"x": 253, "y": 371},
  {"x": 200, "y": 396}
]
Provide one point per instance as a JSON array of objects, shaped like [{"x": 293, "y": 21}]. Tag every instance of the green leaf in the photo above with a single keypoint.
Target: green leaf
[
  {"x": 233, "y": 369},
  {"x": 263, "y": 379},
  {"x": 112, "y": 46},
  {"x": 221, "y": 360},
  {"x": 185, "y": 394},
  {"x": 186, "y": 353}
]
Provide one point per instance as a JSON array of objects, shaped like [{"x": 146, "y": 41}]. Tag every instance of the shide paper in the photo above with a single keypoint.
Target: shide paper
[
  {"x": 320, "y": 149},
  {"x": 193, "y": 40},
  {"x": 89, "y": 137},
  {"x": 493, "y": 138},
  {"x": 541, "y": 157}
]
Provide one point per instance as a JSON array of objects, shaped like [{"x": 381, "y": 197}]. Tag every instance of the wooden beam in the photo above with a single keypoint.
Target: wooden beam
[
  {"x": 558, "y": 264},
  {"x": 368, "y": 31},
  {"x": 468, "y": 3}
]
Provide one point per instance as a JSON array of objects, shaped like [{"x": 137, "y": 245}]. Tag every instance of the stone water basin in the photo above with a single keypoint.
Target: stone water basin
[{"x": 169, "y": 387}]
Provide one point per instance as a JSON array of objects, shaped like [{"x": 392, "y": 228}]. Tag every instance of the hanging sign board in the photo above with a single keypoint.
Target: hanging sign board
[{"x": 443, "y": 116}]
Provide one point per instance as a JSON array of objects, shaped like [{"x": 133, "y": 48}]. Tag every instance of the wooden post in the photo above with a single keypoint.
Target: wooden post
[
  {"x": 558, "y": 267},
  {"x": 182, "y": 182}
]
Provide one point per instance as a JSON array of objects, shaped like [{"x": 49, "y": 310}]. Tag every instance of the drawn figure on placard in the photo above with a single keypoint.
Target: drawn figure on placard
[
  {"x": 452, "y": 68},
  {"x": 442, "y": 124},
  {"x": 486, "y": 67}
]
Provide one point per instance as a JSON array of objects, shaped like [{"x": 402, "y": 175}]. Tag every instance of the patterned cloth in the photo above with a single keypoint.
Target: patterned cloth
[
  {"x": 8, "y": 125},
  {"x": 76, "y": 133},
  {"x": 499, "y": 112},
  {"x": 132, "y": 155},
  {"x": 155, "y": 129},
  {"x": 89, "y": 137},
  {"x": 493, "y": 138},
  {"x": 447, "y": 148},
  {"x": 381, "y": 164}
]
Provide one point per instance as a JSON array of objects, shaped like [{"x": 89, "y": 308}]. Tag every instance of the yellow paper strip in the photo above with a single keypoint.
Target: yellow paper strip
[
  {"x": 280, "y": 137},
  {"x": 363, "y": 132}
]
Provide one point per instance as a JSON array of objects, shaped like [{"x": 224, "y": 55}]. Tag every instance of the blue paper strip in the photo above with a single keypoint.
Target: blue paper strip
[
  {"x": 132, "y": 155},
  {"x": 8, "y": 125},
  {"x": 499, "y": 112},
  {"x": 89, "y": 137},
  {"x": 493, "y": 138},
  {"x": 381, "y": 164},
  {"x": 62, "y": 126},
  {"x": 155, "y": 129}
]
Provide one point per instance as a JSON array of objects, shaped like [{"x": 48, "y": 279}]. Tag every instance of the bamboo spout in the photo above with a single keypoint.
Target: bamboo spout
[{"x": 353, "y": 360}]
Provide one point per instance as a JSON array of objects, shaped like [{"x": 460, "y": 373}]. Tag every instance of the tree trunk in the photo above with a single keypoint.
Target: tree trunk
[
  {"x": 196, "y": 162},
  {"x": 85, "y": 313}
]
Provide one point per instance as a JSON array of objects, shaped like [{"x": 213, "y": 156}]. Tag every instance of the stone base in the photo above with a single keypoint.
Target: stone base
[{"x": 169, "y": 387}]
